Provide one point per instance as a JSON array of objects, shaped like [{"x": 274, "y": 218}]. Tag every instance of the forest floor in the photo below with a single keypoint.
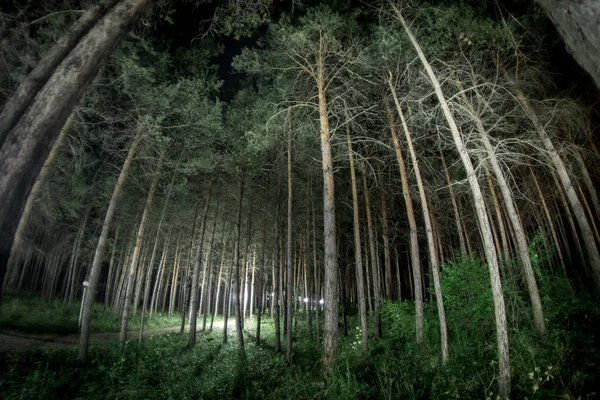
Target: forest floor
[{"x": 11, "y": 340}]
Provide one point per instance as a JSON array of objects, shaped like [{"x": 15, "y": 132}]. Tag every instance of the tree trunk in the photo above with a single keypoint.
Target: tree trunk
[
  {"x": 565, "y": 179},
  {"x": 289, "y": 279},
  {"x": 22, "y": 98},
  {"x": 194, "y": 290},
  {"x": 94, "y": 275},
  {"x": 133, "y": 264},
  {"x": 412, "y": 223},
  {"x": 513, "y": 215},
  {"x": 360, "y": 282},
  {"x": 28, "y": 143},
  {"x": 373, "y": 254},
  {"x": 433, "y": 256},
  {"x": 484, "y": 223},
  {"x": 330, "y": 334},
  {"x": 237, "y": 266}
]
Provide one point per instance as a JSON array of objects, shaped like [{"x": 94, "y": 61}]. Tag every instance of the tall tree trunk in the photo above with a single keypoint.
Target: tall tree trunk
[
  {"x": 513, "y": 215},
  {"x": 565, "y": 179},
  {"x": 276, "y": 278},
  {"x": 194, "y": 290},
  {"x": 94, "y": 275},
  {"x": 133, "y": 264},
  {"x": 330, "y": 334},
  {"x": 289, "y": 279},
  {"x": 237, "y": 267},
  {"x": 433, "y": 256},
  {"x": 373, "y": 254},
  {"x": 412, "y": 223},
  {"x": 26, "y": 146},
  {"x": 484, "y": 223},
  {"x": 360, "y": 281},
  {"x": 22, "y": 98}
]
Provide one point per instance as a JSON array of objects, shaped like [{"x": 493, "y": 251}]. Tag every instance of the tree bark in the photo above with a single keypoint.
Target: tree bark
[
  {"x": 330, "y": 334},
  {"x": 23, "y": 97},
  {"x": 28, "y": 143}
]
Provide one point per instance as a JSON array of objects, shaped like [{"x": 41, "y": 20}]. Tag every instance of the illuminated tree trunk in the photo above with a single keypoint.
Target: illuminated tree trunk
[
  {"x": 196, "y": 272},
  {"x": 412, "y": 223},
  {"x": 276, "y": 278},
  {"x": 289, "y": 279},
  {"x": 330, "y": 333},
  {"x": 88, "y": 302},
  {"x": 513, "y": 215},
  {"x": 433, "y": 257},
  {"x": 360, "y": 283},
  {"x": 237, "y": 267},
  {"x": 133, "y": 264},
  {"x": 484, "y": 224}
]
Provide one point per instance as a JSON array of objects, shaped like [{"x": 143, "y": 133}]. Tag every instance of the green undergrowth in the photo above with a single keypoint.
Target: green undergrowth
[
  {"x": 561, "y": 364},
  {"x": 27, "y": 312}
]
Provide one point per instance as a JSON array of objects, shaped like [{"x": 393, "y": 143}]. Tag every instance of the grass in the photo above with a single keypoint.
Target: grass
[
  {"x": 562, "y": 364},
  {"x": 27, "y": 312}
]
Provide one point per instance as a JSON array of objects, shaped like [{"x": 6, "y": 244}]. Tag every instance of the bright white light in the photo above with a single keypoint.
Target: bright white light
[
  {"x": 272, "y": 294},
  {"x": 306, "y": 299},
  {"x": 321, "y": 301}
]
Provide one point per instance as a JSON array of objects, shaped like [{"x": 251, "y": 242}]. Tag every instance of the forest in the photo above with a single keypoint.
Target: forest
[{"x": 273, "y": 199}]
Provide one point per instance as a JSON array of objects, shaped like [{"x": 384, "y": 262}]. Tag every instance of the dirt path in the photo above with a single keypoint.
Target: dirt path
[{"x": 14, "y": 340}]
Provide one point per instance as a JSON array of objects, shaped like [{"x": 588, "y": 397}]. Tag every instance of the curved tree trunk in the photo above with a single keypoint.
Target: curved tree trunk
[
  {"x": 513, "y": 215},
  {"x": 484, "y": 223},
  {"x": 433, "y": 256},
  {"x": 23, "y": 97},
  {"x": 94, "y": 275},
  {"x": 565, "y": 180},
  {"x": 28, "y": 143},
  {"x": 412, "y": 223}
]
